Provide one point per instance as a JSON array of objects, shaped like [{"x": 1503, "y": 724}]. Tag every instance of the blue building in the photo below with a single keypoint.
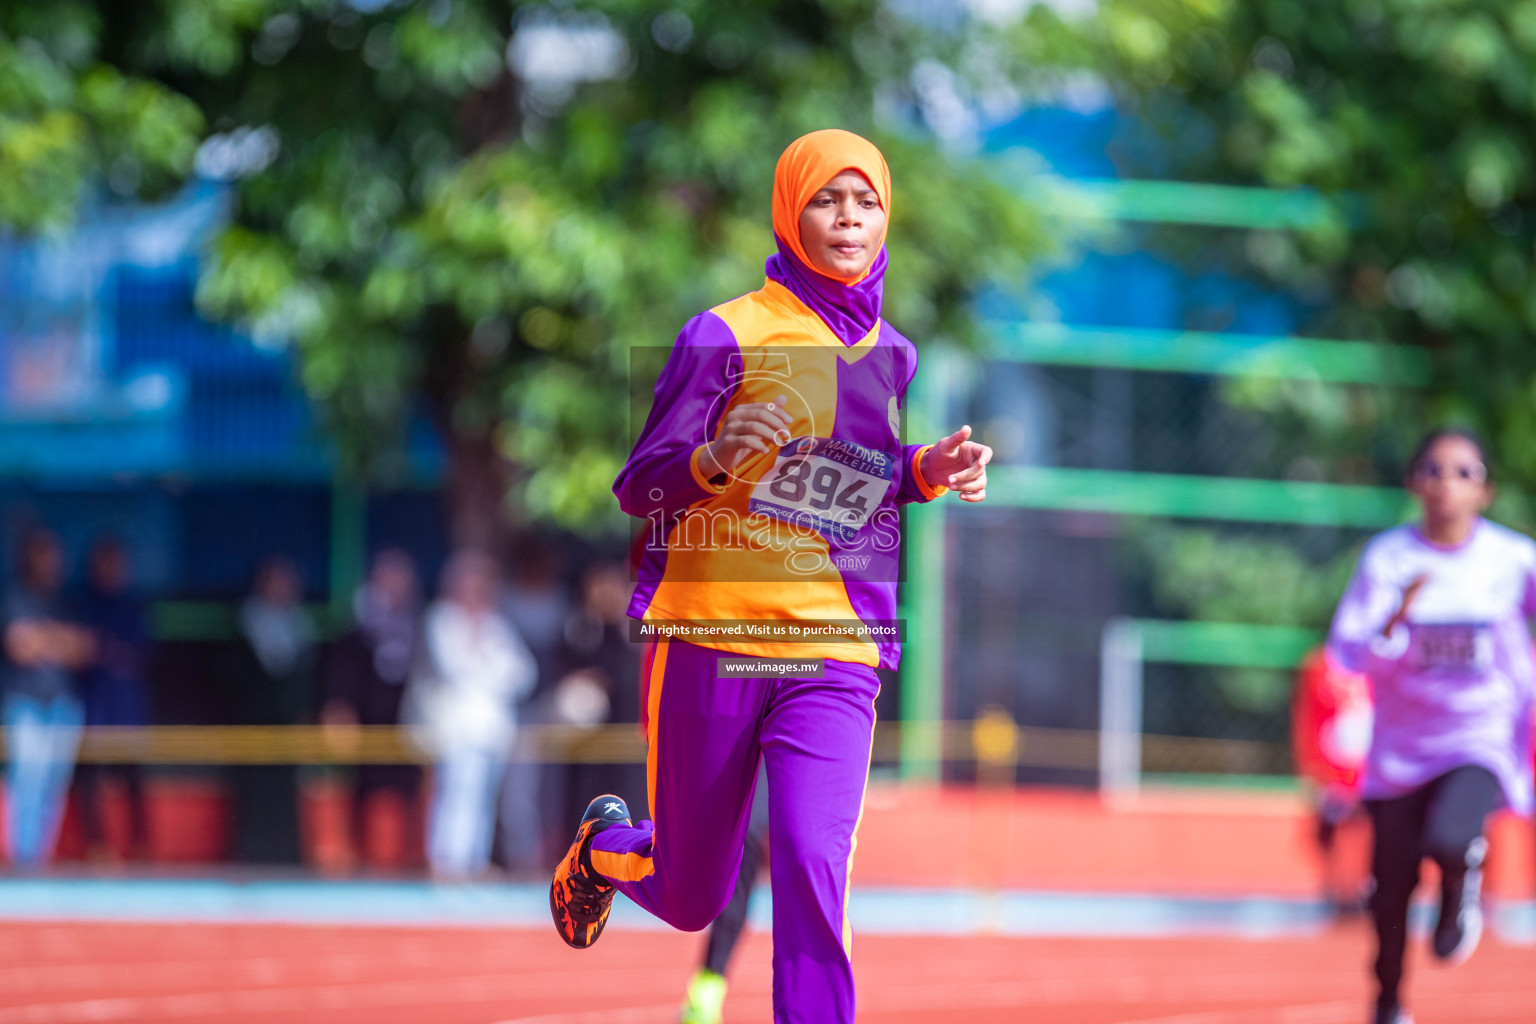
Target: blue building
[{"x": 124, "y": 411}]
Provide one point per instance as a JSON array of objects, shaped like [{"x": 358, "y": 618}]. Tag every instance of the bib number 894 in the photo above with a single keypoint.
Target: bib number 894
[{"x": 795, "y": 477}]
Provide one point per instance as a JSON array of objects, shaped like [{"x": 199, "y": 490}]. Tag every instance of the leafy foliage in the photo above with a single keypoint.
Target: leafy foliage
[
  {"x": 68, "y": 117},
  {"x": 1206, "y": 574},
  {"x": 478, "y": 207},
  {"x": 1410, "y": 118}
]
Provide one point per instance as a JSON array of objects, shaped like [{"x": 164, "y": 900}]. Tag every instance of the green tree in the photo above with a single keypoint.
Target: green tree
[
  {"x": 1215, "y": 575},
  {"x": 1411, "y": 118},
  {"x": 478, "y": 208},
  {"x": 70, "y": 117},
  {"x": 1405, "y": 118}
]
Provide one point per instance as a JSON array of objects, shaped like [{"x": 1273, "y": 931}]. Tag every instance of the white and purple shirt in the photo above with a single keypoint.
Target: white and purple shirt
[{"x": 1454, "y": 683}]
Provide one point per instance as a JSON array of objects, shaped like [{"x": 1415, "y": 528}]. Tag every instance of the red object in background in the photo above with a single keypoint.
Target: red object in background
[
  {"x": 189, "y": 824},
  {"x": 1330, "y": 722},
  {"x": 1173, "y": 841},
  {"x": 188, "y": 818}
]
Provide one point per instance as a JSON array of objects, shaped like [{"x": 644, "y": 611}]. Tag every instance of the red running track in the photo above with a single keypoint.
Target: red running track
[{"x": 60, "y": 973}]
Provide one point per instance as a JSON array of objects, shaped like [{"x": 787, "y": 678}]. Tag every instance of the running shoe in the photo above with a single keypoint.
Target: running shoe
[
  {"x": 579, "y": 897},
  {"x": 706, "y": 998},
  {"x": 1461, "y": 912}
]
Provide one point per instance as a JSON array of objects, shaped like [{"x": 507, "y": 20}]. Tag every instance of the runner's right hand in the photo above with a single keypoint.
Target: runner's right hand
[
  {"x": 1410, "y": 592},
  {"x": 747, "y": 430}
]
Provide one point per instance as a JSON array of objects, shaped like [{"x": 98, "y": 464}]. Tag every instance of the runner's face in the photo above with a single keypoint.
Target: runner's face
[
  {"x": 840, "y": 228},
  {"x": 1451, "y": 482}
]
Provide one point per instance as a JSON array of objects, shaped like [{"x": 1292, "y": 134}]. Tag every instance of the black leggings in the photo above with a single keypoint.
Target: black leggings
[
  {"x": 1442, "y": 819},
  {"x": 727, "y": 929}
]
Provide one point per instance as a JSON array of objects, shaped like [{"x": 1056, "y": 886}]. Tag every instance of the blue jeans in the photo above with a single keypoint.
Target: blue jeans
[
  {"x": 42, "y": 735},
  {"x": 463, "y": 813}
]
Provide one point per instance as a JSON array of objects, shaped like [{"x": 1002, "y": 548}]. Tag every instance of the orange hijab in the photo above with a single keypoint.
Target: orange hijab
[{"x": 809, "y": 163}]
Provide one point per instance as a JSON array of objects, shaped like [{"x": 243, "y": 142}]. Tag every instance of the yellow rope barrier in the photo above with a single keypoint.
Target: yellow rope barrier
[{"x": 992, "y": 741}]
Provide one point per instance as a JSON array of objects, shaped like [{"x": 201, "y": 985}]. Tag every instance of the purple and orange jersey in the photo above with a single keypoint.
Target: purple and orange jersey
[{"x": 804, "y": 533}]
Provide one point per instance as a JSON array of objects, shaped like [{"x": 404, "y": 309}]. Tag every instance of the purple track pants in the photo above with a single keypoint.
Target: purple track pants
[{"x": 705, "y": 736}]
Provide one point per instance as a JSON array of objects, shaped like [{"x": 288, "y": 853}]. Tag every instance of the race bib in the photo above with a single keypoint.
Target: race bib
[
  {"x": 1451, "y": 647},
  {"x": 830, "y": 485}
]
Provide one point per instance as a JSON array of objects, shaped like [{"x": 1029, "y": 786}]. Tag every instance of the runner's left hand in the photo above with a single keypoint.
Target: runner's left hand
[{"x": 958, "y": 463}]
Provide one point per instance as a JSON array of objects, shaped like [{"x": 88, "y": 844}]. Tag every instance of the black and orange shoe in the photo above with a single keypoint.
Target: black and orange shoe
[{"x": 579, "y": 897}]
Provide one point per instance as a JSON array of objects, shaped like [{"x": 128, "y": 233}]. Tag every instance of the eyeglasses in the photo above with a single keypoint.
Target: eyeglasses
[{"x": 1474, "y": 472}]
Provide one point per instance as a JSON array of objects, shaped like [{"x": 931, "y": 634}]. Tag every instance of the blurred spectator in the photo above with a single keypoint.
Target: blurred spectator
[
  {"x": 597, "y": 637},
  {"x": 537, "y": 601},
  {"x": 462, "y": 705},
  {"x": 272, "y": 672},
  {"x": 114, "y": 688},
  {"x": 603, "y": 684},
  {"x": 368, "y": 669},
  {"x": 44, "y": 647}
]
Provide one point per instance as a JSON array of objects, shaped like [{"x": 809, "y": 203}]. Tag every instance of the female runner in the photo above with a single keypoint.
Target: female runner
[
  {"x": 1437, "y": 615},
  {"x": 770, "y": 468}
]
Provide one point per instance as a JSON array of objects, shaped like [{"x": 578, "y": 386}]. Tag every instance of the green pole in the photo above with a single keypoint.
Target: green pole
[
  {"x": 922, "y": 662},
  {"x": 922, "y": 607},
  {"x": 349, "y": 545}
]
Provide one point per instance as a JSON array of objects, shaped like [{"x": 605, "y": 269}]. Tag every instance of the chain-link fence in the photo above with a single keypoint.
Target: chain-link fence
[{"x": 1207, "y": 509}]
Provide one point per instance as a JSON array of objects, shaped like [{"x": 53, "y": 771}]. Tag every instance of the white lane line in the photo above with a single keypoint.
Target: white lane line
[
  {"x": 1334, "y": 1012},
  {"x": 266, "y": 970},
  {"x": 660, "y": 1013},
  {"x": 502, "y": 987}
]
